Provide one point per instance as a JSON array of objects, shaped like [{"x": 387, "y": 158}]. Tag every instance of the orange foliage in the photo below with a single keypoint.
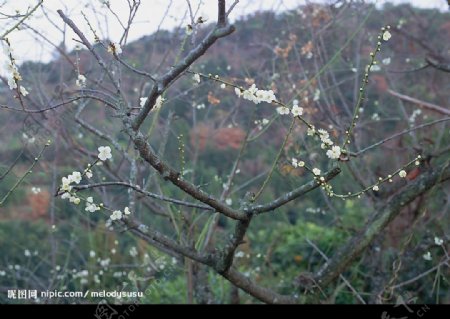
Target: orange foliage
[
  {"x": 320, "y": 17},
  {"x": 39, "y": 204},
  {"x": 380, "y": 82},
  {"x": 229, "y": 137},
  {"x": 413, "y": 174},
  {"x": 212, "y": 99},
  {"x": 307, "y": 48},
  {"x": 284, "y": 53},
  {"x": 221, "y": 138},
  {"x": 199, "y": 136}
]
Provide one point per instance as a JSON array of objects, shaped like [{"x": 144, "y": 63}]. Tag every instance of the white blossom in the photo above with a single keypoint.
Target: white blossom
[
  {"x": 104, "y": 153},
  {"x": 296, "y": 110},
  {"x": 386, "y": 35},
  {"x": 88, "y": 173},
  {"x": 316, "y": 171},
  {"x": 65, "y": 195},
  {"x": 126, "y": 211},
  {"x": 386, "y": 61},
  {"x": 438, "y": 241},
  {"x": 334, "y": 152},
  {"x": 90, "y": 206},
  {"x": 75, "y": 177},
  {"x": 65, "y": 186},
  {"x": 116, "y": 215},
  {"x": 427, "y": 256},
  {"x": 229, "y": 201},
  {"x": 402, "y": 173},
  {"x": 255, "y": 95},
  {"x": 196, "y": 78},
  {"x": 133, "y": 252},
  {"x": 23, "y": 91},
  {"x": 105, "y": 262},
  {"x": 376, "y": 188}
]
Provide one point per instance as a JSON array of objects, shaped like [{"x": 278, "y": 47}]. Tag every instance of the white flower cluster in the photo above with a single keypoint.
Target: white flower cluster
[
  {"x": 75, "y": 177},
  {"x": 283, "y": 110},
  {"x": 261, "y": 123},
  {"x": 13, "y": 75},
  {"x": 35, "y": 190},
  {"x": 90, "y": 206},
  {"x": 333, "y": 152},
  {"x": 66, "y": 182},
  {"x": 438, "y": 241},
  {"x": 296, "y": 163},
  {"x": 117, "y": 214},
  {"x": 296, "y": 110},
  {"x": 255, "y": 95}
]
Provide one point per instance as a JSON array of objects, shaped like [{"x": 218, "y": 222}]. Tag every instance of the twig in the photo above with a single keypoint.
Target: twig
[
  {"x": 347, "y": 283},
  {"x": 146, "y": 193},
  {"x": 399, "y": 134},
  {"x": 296, "y": 193},
  {"x": 425, "y": 105}
]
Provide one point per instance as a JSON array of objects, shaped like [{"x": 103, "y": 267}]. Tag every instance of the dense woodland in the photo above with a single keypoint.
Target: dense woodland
[{"x": 375, "y": 229}]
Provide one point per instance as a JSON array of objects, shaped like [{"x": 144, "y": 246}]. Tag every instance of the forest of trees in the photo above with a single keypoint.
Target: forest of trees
[{"x": 291, "y": 157}]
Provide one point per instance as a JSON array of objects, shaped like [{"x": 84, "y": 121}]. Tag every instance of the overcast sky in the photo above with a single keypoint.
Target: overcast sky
[{"x": 152, "y": 14}]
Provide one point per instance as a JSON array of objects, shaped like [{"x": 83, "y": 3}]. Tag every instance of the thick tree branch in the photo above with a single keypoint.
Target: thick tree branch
[
  {"x": 173, "y": 176},
  {"x": 263, "y": 294},
  {"x": 227, "y": 255},
  {"x": 219, "y": 31},
  {"x": 439, "y": 64},
  {"x": 356, "y": 245},
  {"x": 154, "y": 237}
]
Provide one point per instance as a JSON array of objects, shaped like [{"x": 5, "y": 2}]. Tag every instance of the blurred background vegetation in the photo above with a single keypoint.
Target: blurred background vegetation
[{"x": 48, "y": 243}]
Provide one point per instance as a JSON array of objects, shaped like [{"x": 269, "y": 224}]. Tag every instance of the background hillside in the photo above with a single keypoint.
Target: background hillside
[{"x": 316, "y": 54}]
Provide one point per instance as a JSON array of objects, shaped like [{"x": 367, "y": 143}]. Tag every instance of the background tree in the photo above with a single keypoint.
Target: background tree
[{"x": 291, "y": 156}]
